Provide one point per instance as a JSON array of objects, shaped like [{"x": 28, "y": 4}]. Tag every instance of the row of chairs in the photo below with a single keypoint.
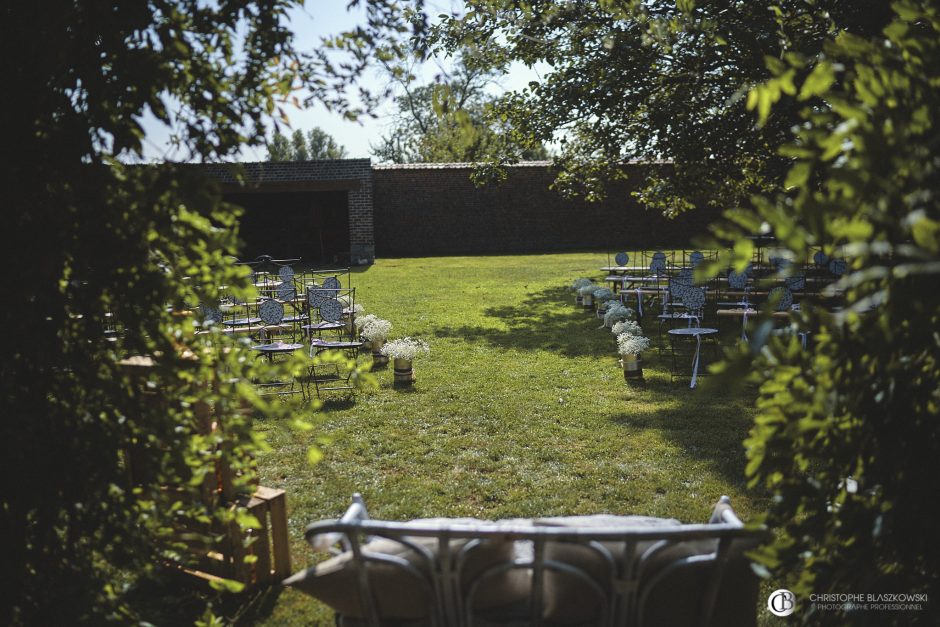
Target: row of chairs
[{"x": 309, "y": 312}]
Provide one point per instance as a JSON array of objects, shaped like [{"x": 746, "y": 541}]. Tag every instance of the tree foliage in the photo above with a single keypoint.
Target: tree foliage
[
  {"x": 451, "y": 120},
  {"x": 847, "y": 437},
  {"x": 105, "y": 258},
  {"x": 316, "y": 145},
  {"x": 657, "y": 81}
]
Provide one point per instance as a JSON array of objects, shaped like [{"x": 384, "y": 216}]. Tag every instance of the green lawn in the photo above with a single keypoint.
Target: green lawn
[{"x": 520, "y": 410}]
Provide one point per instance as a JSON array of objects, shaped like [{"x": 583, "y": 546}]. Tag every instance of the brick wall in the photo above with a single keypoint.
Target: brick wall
[
  {"x": 434, "y": 209},
  {"x": 271, "y": 178},
  {"x": 361, "y": 226}
]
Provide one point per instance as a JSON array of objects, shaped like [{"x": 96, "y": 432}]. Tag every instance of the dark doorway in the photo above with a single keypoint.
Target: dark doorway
[{"x": 313, "y": 226}]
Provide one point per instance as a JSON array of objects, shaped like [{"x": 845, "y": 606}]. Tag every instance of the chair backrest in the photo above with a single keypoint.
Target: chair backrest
[
  {"x": 631, "y": 571},
  {"x": 658, "y": 263}
]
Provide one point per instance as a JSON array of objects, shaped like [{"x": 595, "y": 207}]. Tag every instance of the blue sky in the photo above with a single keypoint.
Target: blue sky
[{"x": 318, "y": 18}]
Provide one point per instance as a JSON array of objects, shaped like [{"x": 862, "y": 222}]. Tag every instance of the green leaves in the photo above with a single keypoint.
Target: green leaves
[
  {"x": 862, "y": 181},
  {"x": 110, "y": 389},
  {"x": 925, "y": 231},
  {"x": 819, "y": 80},
  {"x": 798, "y": 175}
]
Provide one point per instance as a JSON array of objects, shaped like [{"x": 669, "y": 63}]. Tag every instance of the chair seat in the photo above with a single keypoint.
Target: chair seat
[
  {"x": 323, "y": 326},
  {"x": 326, "y": 344}
]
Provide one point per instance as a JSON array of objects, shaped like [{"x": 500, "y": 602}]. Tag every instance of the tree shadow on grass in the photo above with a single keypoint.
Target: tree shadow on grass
[
  {"x": 708, "y": 429},
  {"x": 544, "y": 320}
]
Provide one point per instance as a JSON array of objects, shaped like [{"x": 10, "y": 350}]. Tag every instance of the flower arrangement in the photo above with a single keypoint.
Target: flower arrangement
[
  {"x": 376, "y": 329},
  {"x": 628, "y": 327},
  {"x": 405, "y": 348},
  {"x": 579, "y": 283},
  {"x": 631, "y": 344},
  {"x": 602, "y": 294},
  {"x": 362, "y": 321},
  {"x": 587, "y": 290},
  {"x": 616, "y": 312}
]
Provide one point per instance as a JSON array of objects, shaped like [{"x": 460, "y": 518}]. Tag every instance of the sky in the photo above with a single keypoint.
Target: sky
[{"x": 316, "y": 19}]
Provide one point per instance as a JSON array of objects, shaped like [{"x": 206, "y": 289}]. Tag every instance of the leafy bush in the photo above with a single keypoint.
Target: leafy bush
[
  {"x": 847, "y": 435},
  {"x": 111, "y": 458}
]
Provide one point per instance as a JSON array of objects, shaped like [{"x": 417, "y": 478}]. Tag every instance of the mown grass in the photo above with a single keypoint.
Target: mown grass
[{"x": 520, "y": 410}]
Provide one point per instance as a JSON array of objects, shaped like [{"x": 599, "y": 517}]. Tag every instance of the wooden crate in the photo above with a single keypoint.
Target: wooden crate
[{"x": 268, "y": 544}]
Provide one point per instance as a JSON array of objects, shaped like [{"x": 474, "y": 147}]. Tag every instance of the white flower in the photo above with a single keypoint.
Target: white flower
[
  {"x": 579, "y": 283},
  {"x": 602, "y": 294},
  {"x": 628, "y": 327},
  {"x": 587, "y": 290},
  {"x": 376, "y": 329},
  {"x": 632, "y": 344},
  {"x": 405, "y": 348},
  {"x": 362, "y": 321},
  {"x": 615, "y": 313}
]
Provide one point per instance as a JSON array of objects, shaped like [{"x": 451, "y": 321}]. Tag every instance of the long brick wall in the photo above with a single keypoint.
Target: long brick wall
[{"x": 428, "y": 209}]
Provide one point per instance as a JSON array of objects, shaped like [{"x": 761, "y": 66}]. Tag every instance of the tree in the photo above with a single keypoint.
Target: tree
[
  {"x": 652, "y": 81},
  {"x": 317, "y": 145},
  {"x": 451, "y": 120},
  {"x": 105, "y": 246},
  {"x": 847, "y": 438}
]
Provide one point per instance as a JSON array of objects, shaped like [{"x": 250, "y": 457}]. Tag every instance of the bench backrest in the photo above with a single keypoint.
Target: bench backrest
[{"x": 626, "y": 575}]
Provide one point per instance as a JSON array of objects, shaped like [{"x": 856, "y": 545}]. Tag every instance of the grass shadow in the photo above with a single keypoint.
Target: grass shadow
[
  {"x": 710, "y": 431},
  {"x": 544, "y": 320}
]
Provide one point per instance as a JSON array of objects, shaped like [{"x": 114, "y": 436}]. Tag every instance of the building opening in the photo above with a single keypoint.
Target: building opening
[{"x": 311, "y": 225}]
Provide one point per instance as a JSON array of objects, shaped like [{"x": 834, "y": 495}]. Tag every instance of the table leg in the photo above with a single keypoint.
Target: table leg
[{"x": 695, "y": 361}]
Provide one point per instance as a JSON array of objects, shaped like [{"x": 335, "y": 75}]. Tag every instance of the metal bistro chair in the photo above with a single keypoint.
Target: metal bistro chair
[
  {"x": 318, "y": 295},
  {"x": 686, "y": 302},
  {"x": 275, "y": 339},
  {"x": 330, "y": 303}
]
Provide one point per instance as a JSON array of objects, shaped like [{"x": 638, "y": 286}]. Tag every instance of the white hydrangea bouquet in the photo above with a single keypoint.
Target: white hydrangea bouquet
[
  {"x": 628, "y": 345},
  {"x": 626, "y": 326},
  {"x": 375, "y": 329},
  {"x": 586, "y": 292},
  {"x": 406, "y": 348},
  {"x": 602, "y": 294},
  {"x": 362, "y": 321},
  {"x": 579, "y": 283},
  {"x": 616, "y": 312}
]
